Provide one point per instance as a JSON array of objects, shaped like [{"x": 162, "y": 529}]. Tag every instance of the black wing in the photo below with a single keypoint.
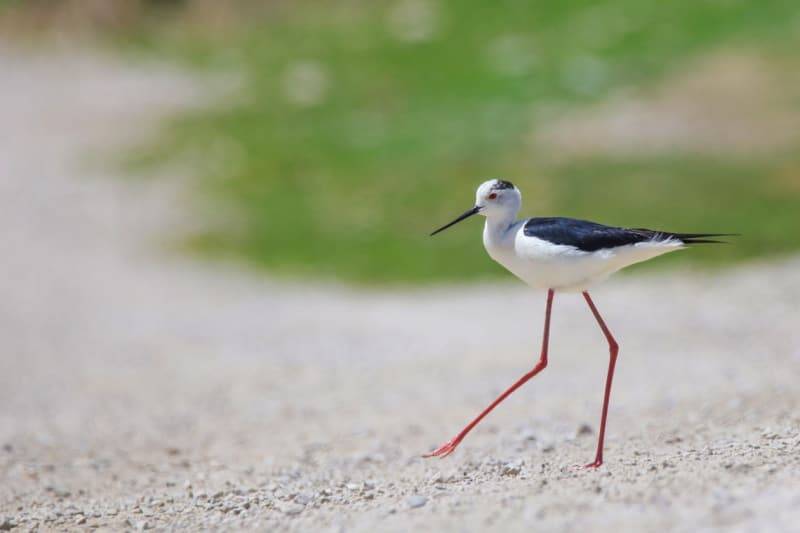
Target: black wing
[{"x": 591, "y": 236}]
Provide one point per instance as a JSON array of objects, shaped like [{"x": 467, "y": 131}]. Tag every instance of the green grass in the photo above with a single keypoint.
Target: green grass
[{"x": 349, "y": 187}]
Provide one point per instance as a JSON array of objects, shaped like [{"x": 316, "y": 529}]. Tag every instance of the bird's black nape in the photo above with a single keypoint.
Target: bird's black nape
[{"x": 502, "y": 184}]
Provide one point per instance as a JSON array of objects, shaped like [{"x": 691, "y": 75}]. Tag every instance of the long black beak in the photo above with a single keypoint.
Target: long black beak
[{"x": 468, "y": 214}]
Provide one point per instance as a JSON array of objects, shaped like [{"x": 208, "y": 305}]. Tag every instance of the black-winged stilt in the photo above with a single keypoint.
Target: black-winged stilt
[{"x": 560, "y": 255}]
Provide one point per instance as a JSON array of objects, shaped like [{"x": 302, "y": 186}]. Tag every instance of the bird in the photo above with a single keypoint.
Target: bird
[{"x": 566, "y": 255}]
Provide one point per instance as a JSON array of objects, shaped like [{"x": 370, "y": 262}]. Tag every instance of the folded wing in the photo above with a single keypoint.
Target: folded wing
[{"x": 591, "y": 236}]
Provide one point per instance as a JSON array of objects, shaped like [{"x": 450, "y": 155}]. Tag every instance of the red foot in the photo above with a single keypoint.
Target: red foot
[
  {"x": 444, "y": 450},
  {"x": 596, "y": 464}
]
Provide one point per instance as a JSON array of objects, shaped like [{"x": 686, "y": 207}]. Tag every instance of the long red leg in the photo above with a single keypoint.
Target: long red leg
[
  {"x": 613, "y": 348},
  {"x": 450, "y": 446}
]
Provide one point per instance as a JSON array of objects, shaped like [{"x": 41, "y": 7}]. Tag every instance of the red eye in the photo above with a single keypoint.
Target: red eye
[{"x": 493, "y": 196}]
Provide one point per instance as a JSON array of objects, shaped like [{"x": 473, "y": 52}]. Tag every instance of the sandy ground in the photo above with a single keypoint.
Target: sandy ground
[{"x": 142, "y": 390}]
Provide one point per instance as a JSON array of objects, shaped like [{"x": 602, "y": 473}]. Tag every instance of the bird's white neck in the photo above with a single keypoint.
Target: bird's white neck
[{"x": 498, "y": 225}]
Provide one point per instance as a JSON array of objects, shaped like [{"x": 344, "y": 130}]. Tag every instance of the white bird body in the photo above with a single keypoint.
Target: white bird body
[{"x": 545, "y": 265}]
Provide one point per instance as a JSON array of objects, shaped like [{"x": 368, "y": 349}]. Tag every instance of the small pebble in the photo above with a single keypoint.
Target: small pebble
[
  {"x": 512, "y": 468},
  {"x": 416, "y": 501},
  {"x": 292, "y": 509},
  {"x": 302, "y": 499}
]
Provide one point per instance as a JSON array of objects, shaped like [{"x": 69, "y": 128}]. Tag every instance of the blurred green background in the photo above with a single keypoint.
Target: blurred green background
[{"x": 359, "y": 126}]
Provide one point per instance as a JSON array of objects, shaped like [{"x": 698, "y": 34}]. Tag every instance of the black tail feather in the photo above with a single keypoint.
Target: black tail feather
[
  {"x": 688, "y": 238},
  {"x": 701, "y": 238}
]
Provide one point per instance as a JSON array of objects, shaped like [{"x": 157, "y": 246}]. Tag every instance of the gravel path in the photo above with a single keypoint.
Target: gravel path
[{"x": 141, "y": 390}]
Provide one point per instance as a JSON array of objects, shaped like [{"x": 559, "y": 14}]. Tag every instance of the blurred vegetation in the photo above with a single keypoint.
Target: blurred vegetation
[{"x": 365, "y": 124}]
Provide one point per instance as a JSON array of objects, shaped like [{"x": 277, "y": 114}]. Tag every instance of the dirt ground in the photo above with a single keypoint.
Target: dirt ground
[{"x": 140, "y": 389}]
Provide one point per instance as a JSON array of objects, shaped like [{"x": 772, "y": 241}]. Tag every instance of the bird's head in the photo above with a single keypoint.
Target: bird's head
[{"x": 495, "y": 199}]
